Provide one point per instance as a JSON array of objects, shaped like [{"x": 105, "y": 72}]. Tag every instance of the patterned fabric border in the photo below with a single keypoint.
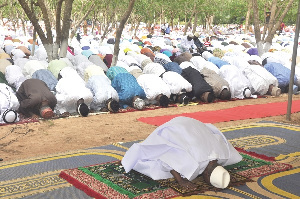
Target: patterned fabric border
[
  {"x": 97, "y": 189},
  {"x": 109, "y": 180}
]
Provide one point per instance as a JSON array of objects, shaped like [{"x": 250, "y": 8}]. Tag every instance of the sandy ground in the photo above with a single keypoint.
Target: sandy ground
[{"x": 61, "y": 135}]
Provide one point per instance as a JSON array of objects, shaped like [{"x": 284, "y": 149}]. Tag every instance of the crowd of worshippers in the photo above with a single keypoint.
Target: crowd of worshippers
[{"x": 150, "y": 70}]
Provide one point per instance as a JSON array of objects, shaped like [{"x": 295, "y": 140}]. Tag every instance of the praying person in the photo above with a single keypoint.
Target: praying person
[
  {"x": 36, "y": 99},
  {"x": 70, "y": 89},
  {"x": 201, "y": 90},
  {"x": 105, "y": 97},
  {"x": 184, "y": 148},
  {"x": 9, "y": 104},
  {"x": 157, "y": 91},
  {"x": 187, "y": 43},
  {"x": 131, "y": 94}
]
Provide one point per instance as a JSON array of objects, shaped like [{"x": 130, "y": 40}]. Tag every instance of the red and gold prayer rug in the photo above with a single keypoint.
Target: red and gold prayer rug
[{"x": 109, "y": 180}]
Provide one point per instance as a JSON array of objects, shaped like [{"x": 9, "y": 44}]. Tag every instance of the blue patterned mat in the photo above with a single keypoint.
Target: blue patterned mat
[{"x": 38, "y": 177}]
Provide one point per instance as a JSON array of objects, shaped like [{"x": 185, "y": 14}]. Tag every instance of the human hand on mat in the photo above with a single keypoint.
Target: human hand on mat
[
  {"x": 187, "y": 184},
  {"x": 183, "y": 181},
  {"x": 34, "y": 116}
]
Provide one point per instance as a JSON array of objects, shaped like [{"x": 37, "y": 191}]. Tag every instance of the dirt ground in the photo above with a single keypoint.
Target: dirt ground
[{"x": 61, "y": 135}]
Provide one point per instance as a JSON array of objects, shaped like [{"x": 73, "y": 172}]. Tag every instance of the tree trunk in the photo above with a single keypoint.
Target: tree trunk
[
  {"x": 23, "y": 26},
  {"x": 65, "y": 28},
  {"x": 248, "y": 17},
  {"x": 52, "y": 51},
  {"x": 33, "y": 43},
  {"x": 263, "y": 45},
  {"x": 120, "y": 30},
  {"x": 195, "y": 23},
  {"x": 257, "y": 34}
]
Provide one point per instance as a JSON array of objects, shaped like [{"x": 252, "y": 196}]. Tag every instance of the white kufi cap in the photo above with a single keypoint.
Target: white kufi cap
[{"x": 220, "y": 177}]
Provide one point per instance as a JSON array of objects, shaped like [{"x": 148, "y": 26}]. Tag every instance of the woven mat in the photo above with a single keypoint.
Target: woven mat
[{"x": 110, "y": 180}]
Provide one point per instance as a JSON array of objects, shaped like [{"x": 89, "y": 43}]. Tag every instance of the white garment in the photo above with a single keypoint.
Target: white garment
[
  {"x": 32, "y": 66},
  {"x": 198, "y": 62},
  {"x": 91, "y": 71},
  {"x": 100, "y": 86},
  {"x": 163, "y": 56},
  {"x": 176, "y": 82},
  {"x": 183, "y": 144},
  {"x": 14, "y": 76},
  {"x": 207, "y": 55},
  {"x": 128, "y": 60},
  {"x": 69, "y": 89},
  {"x": 8, "y": 100},
  {"x": 185, "y": 44},
  {"x": 260, "y": 78},
  {"x": 17, "y": 53},
  {"x": 239, "y": 62},
  {"x": 153, "y": 86},
  {"x": 238, "y": 82},
  {"x": 154, "y": 68}
]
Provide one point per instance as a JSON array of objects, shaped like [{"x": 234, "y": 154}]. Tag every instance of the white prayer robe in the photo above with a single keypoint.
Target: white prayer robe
[
  {"x": 183, "y": 144},
  {"x": 69, "y": 89},
  {"x": 154, "y": 68},
  {"x": 153, "y": 85},
  {"x": 260, "y": 78},
  {"x": 176, "y": 82},
  {"x": 32, "y": 66},
  {"x": 100, "y": 86},
  {"x": 236, "y": 79},
  {"x": 14, "y": 76},
  {"x": 8, "y": 100}
]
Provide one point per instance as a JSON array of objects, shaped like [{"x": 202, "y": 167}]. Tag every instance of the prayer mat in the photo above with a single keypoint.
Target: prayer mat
[
  {"x": 230, "y": 114},
  {"x": 38, "y": 177},
  {"x": 109, "y": 180},
  {"x": 150, "y": 107},
  {"x": 22, "y": 120}
]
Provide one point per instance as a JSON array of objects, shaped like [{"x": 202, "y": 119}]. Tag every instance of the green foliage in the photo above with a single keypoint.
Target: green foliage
[{"x": 224, "y": 11}]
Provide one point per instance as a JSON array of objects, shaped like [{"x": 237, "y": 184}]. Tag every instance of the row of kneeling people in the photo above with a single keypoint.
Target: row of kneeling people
[{"x": 34, "y": 87}]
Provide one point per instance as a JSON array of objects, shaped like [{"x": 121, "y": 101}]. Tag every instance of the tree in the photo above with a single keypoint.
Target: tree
[
  {"x": 120, "y": 30},
  {"x": 278, "y": 11},
  {"x": 63, "y": 8},
  {"x": 81, "y": 11}
]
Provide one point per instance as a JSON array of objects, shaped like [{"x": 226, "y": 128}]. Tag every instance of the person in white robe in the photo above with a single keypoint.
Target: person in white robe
[
  {"x": 177, "y": 84},
  {"x": 155, "y": 88},
  {"x": 69, "y": 89},
  {"x": 262, "y": 81},
  {"x": 240, "y": 86},
  {"x": 184, "y": 146},
  {"x": 14, "y": 76},
  {"x": 100, "y": 86},
  {"x": 9, "y": 104}
]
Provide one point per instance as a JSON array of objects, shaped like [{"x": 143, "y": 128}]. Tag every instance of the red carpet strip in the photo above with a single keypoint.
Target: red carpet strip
[{"x": 231, "y": 114}]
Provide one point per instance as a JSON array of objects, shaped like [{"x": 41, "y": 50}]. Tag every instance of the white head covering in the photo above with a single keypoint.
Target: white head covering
[
  {"x": 139, "y": 104},
  {"x": 207, "y": 55},
  {"x": 220, "y": 177}
]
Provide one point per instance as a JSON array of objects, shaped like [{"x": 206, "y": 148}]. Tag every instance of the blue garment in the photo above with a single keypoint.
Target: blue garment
[
  {"x": 217, "y": 61},
  {"x": 127, "y": 87},
  {"x": 115, "y": 70},
  {"x": 87, "y": 53},
  {"x": 281, "y": 72},
  {"x": 173, "y": 66},
  {"x": 167, "y": 31},
  {"x": 252, "y": 51},
  {"x": 47, "y": 77}
]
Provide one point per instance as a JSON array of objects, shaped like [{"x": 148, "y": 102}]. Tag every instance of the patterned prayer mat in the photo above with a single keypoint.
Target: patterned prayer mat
[
  {"x": 39, "y": 177},
  {"x": 110, "y": 180}
]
